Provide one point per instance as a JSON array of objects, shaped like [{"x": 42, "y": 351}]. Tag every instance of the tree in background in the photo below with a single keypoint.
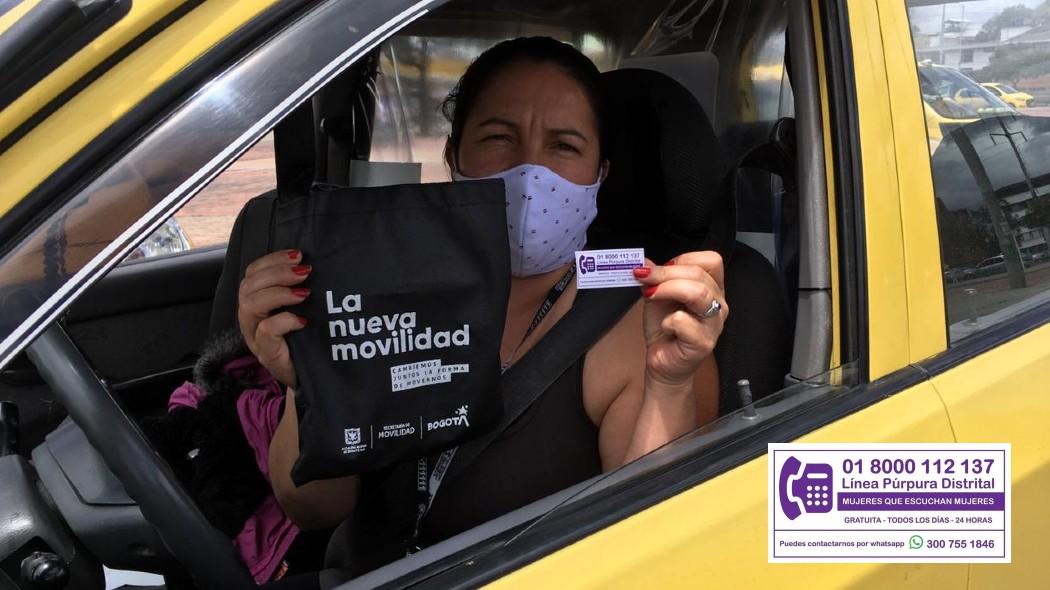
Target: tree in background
[
  {"x": 966, "y": 236},
  {"x": 1013, "y": 16},
  {"x": 1041, "y": 13},
  {"x": 1038, "y": 212},
  {"x": 1013, "y": 63}
]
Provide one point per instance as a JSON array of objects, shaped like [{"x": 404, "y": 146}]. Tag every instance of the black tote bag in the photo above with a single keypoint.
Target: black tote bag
[{"x": 400, "y": 355}]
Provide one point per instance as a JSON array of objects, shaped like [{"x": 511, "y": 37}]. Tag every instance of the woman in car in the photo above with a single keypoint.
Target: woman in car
[{"x": 652, "y": 377}]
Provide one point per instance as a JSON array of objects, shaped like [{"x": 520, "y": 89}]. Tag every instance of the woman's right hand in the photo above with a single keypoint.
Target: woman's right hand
[{"x": 269, "y": 283}]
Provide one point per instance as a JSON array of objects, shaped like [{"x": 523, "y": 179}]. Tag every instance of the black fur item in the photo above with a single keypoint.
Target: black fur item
[
  {"x": 216, "y": 352},
  {"x": 206, "y": 447}
]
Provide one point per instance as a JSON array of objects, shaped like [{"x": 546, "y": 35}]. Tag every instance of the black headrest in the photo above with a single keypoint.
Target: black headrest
[{"x": 667, "y": 167}]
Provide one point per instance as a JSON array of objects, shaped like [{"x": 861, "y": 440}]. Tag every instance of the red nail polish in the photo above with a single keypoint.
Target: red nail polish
[
  {"x": 643, "y": 272},
  {"x": 302, "y": 320},
  {"x": 650, "y": 291},
  {"x": 670, "y": 262},
  {"x": 293, "y": 254},
  {"x": 302, "y": 269},
  {"x": 300, "y": 292}
]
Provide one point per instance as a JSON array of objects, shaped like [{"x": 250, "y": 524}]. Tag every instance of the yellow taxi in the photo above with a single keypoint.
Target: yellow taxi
[
  {"x": 117, "y": 116},
  {"x": 951, "y": 98},
  {"x": 1010, "y": 95}
]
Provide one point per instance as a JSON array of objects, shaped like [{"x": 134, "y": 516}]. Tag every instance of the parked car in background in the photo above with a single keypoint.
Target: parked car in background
[
  {"x": 994, "y": 265},
  {"x": 1010, "y": 95},
  {"x": 990, "y": 266},
  {"x": 955, "y": 275},
  {"x": 951, "y": 99},
  {"x": 168, "y": 239}
]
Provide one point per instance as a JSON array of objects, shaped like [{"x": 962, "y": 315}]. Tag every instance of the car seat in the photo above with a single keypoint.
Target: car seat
[
  {"x": 318, "y": 142},
  {"x": 671, "y": 190}
]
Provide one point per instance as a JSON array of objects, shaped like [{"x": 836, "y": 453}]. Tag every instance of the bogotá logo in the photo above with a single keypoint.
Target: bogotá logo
[{"x": 459, "y": 418}]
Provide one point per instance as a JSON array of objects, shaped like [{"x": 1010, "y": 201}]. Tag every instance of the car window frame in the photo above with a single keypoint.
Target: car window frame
[{"x": 846, "y": 176}]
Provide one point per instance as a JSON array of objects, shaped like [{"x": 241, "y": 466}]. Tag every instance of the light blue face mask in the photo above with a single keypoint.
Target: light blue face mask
[{"x": 547, "y": 217}]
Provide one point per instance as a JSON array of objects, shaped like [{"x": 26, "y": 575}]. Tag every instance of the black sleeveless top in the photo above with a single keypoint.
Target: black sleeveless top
[{"x": 552, "y": 446}]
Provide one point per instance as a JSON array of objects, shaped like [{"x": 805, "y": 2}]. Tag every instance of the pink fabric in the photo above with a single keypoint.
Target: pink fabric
[
  {"x": 265, "y": 539},
  {"x": 268, "y": 533},
  {"x": 259, "y": 411},
  {"x": 187, "y": 395}
]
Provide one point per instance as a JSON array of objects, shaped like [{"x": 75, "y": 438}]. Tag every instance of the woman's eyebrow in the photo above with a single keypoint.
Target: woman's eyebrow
[
  {"x": 555, "y": 131},
  {"x": 498, "y": 121},
  {"x": 568, "y": 131}
]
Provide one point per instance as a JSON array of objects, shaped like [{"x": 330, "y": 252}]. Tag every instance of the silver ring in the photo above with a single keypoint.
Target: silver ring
[{"x": 711, "y": 312}]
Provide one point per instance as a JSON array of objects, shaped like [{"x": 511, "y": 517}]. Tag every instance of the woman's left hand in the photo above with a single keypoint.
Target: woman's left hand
[{"x": 678, "y": 335}]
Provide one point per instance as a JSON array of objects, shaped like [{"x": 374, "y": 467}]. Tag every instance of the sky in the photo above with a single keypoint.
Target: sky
[{"x": 928, "y": 18}]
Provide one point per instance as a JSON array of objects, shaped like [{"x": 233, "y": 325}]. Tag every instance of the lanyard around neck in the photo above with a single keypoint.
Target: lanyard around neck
[
  {"x": 427, "y": 487},
  {"x": 548, "y": 303}
]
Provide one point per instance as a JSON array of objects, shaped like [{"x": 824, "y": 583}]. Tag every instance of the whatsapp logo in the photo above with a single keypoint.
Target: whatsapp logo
[{"x": 915, "y": 542}]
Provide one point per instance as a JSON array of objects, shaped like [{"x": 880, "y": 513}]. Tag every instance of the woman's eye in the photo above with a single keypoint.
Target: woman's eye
[
  {"x": 496, "y": 137},
  {"x": 567, "y": 147}
]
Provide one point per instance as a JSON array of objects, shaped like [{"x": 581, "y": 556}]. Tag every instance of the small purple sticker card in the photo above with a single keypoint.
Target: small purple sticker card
[{"x": 606, "y": 269}]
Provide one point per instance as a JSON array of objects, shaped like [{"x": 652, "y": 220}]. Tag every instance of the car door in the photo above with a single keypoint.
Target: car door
[{"x": 977, "y": 377}]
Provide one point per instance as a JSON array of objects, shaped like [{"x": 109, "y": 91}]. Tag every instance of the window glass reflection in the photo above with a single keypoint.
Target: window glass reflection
[{"x": 984, "y": 77}]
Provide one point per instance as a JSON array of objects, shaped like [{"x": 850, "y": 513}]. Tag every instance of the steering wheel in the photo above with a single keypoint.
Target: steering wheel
[{"x": 209, "y": 556}]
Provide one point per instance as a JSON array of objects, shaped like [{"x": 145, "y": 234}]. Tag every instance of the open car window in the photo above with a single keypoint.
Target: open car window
[
  {"x": 206, "y": 221},
  {"x": 770, "y": 96},
  {"x": 733, "y": 57}
]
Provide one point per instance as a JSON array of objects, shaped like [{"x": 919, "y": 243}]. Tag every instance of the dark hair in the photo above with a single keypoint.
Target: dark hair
[{"x": 457, "y": 106}]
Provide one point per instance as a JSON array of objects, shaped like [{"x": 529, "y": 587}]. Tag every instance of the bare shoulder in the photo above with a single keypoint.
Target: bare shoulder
[{"x": 613, "y": 363}]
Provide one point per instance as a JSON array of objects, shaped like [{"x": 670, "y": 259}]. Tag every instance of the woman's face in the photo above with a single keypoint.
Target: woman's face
[{"x": 531, "y": 113}]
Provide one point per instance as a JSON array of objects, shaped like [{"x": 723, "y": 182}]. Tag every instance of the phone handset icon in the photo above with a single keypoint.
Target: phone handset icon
[{"x": 811, "y": 492}]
